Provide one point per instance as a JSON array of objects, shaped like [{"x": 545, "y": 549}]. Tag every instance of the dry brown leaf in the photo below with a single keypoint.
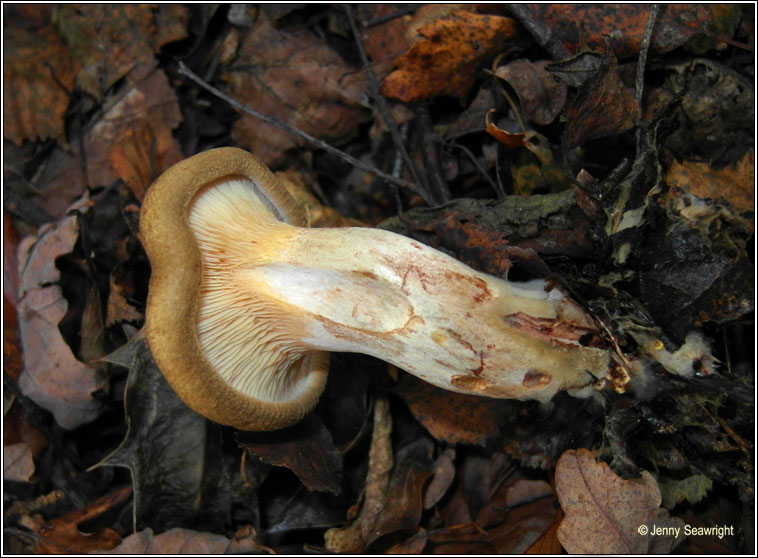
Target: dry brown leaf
[
  {"x": 13, "y": 361},
  {"x": 448, "y": 55},
  {"x": 603, "y": 106},
  {"x": 466, "y": 419},
  {"x": 306, "y": 449},
  {"x": 113, "y": 40},
  {"x": 38, "y": 75},
  {"x": 143, "y": 114},
  {"x": 52, "y": 376},
  {"x": 18, "y": 464},
  {"x": 62, "y": 535},
  {"x": 294, "y": 76},
  {"x": 604, "y": 513},
  {"x": 184, "y": 541},
  {"x": 548, "y": 543},
  {"x": 442, "y": 478},
  {"x": 542, "y": 96}
]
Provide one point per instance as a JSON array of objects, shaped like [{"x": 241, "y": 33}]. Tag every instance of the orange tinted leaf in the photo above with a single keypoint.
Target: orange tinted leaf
[
  {"x": 448, "y": 57},
  {"x": 466, "y": 418},
  {"x": 548, "y": 543},
  {"x": 586, "y": 26},
  {"x": 38, "y": 73},
  {"x": 733, "y": 184}
]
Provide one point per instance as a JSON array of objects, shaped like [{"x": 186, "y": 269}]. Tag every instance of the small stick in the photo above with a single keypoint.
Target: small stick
[
  {"x": 641, "y": 61},
  {"x": 281, "y": 124}
]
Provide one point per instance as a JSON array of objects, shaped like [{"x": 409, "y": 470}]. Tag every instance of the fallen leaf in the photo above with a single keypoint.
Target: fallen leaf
[
  {"x": 467, "y": 419},
  {"x": 442, "y": 478},
  {"x": 18, "y": 464},
  {"x": 603, "y": 106},
  {"x": 542, "y": 96},
  {"x": 38, "y": 78},
  {"x": 63, "y": 536},
  {"x": 447, "y": 55},
  {"x": 13, "y": 360},
  {"x": 548, "y": 543},
  {"x": 604, "y": 513},
  {"x": 143, "y": 114},
  {"x": 733, "y": 184},
  {"x": 306, "y": 449},
  {"x": 110, "y": 41},
  {"x": 52, "y": 376},
  {"x": 693, "y": 489},
  {"x": 296, "y": 77},
  {"x": 586, "y": 26},
  {"x": 184, "y": 541}
]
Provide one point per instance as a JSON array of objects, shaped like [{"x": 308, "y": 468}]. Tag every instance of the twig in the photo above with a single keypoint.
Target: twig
[
  {"x": 183, "y": 69},
  {"x": 641, "y": 61},
  {"x": 498, "y": 188},
  {"x": 541, "y": 34},
  {"x": 389, "y": 17},
  {"x": 382, "y": 105}
]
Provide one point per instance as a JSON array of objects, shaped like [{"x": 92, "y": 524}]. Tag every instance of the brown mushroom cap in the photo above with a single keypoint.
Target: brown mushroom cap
[{"x": 208, "y": 338}]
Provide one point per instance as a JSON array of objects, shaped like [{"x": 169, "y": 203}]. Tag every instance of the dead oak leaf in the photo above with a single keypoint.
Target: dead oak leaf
[
  {"x": 113, "y": 40},
  {"x": 52, "y": 376},
  {"x": 448, "y": 56},
  {"x": 38, "y": 74},
  {"x": 604, "y": 513},
  {"x": 296, "y": 77}
]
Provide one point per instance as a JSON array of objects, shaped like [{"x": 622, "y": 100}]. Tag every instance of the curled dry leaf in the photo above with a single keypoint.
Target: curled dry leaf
[
  {"x": 52, "y": 377},
  {"x": 447, "y": 54},
  {"x": 542, "y": 96},
  {"x": 602, "y": 107},
  {"x": 603, "y": 511}
]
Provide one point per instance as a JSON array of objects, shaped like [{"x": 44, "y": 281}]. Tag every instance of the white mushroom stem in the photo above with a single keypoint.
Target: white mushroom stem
[{"x": 375, "y": 292}]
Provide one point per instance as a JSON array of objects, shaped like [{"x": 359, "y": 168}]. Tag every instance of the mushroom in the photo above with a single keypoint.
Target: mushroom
[{"x": 245, "y": 303}]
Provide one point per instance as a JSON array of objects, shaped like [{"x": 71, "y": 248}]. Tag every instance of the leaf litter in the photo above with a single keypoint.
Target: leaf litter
[{"x": 533, "y": 133}]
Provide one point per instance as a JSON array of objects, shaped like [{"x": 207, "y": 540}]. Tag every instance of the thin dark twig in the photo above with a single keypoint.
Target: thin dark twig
[
  {"x": 382, "y": 105},
  {"x": 641, "y": 61},
  {"x": 389, "y": 17},
  {"x": 495, "y": 186},
  {"x": 183, "y": 69}
]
